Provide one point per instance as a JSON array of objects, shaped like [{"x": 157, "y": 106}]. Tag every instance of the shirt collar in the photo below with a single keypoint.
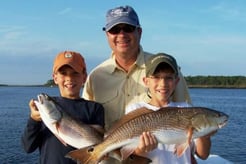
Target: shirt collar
[{"x": 140, "y": 62}]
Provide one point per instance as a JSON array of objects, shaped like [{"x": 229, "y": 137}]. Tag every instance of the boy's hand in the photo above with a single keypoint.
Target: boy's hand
[
  {"x": 147, "y": 143},
  {"x": 35, "y": 115}
]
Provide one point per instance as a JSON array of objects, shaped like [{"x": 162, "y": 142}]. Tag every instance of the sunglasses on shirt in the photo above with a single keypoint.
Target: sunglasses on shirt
[{"x": 125, "y": 28}]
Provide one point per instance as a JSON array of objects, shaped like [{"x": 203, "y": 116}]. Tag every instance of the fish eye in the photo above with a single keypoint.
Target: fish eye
[
  {"x": 131, "y": 157},
  {"x": 48, "y": 98},
  {"x": 90, "y": 149}
]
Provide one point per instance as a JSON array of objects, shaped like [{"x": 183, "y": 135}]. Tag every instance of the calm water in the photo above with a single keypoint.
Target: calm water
[{"x": 229, "y": 142}]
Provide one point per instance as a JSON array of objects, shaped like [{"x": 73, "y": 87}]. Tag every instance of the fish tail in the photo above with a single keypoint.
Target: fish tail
[{"x": 85, "y": 155}]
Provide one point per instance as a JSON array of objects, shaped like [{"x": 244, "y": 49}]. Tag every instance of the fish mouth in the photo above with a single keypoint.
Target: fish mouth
[
  {"x": 222, "y": 124},
  {"x": 42, "y": 97}
]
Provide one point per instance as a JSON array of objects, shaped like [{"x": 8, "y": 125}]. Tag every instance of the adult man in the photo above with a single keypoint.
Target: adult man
[{"x": 117, "y": 82}]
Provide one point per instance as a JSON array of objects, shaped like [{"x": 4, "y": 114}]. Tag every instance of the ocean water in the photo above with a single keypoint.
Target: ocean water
[{"x": 229, "y": 142}]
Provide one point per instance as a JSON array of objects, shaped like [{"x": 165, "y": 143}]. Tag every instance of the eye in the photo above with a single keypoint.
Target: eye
[{"x": 90, "y": 149}]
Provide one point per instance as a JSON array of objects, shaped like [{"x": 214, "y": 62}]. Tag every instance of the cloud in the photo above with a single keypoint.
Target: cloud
[
  {"x": 5, "y": 28},
  {"x": 12, "y": 32},
  {"x": 229, "y": 12},
  {"x": 65, "y": 11}
]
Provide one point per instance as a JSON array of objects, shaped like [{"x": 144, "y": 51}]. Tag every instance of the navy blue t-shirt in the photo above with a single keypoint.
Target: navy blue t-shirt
[{"x": 52, "y": 151}]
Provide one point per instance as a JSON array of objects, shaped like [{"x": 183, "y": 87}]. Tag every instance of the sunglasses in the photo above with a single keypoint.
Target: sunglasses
[{"x": 125, "y": 28}]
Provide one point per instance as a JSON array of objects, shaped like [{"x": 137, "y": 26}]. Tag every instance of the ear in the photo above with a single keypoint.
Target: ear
[
  {"x": 54, "y": 78},
  {"x": 139, "y": 33},
  {"x": 177, "y": 81},
  {"x": 84, "y": 78},
  {"x": 146, "y": 81}
]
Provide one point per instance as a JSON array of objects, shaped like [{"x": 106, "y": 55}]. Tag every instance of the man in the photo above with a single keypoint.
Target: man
[{"x": 117, "y": 82}]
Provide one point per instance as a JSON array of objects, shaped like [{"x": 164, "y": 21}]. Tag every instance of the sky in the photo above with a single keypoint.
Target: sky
[{"x": 206, "y": 37}]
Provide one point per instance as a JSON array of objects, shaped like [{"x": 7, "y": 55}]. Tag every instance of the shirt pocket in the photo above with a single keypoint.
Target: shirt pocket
[{"x": 107, "y": 96}]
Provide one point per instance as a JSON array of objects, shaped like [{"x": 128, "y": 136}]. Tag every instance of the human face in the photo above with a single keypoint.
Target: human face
[
  {"x": 69, "y": 81},
  {"x": 124, "y": 42},
  {"x": 161, "y": 87}
]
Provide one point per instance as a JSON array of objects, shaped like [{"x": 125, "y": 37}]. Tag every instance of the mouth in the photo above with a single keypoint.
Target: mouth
[
  {"x": 69, "y": 86},
  {"x": 123, "y": 42},
  {"x": 162, "y": 91},
  {"x": 40, "y": 99},
  {"x": 223, "y": 123}
]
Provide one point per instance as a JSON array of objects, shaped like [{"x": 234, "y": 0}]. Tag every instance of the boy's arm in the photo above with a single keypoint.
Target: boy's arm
[
  {"x": 29, "y": 138},
  {"x": 203, "y": 145}
]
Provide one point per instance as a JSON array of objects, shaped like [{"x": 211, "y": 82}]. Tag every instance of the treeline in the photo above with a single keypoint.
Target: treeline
[
  {"x": 216, "y": 81},
  {"x": 50, "y": 83}
]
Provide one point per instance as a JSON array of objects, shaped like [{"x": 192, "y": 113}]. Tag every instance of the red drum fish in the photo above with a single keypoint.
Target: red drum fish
[
  {"x": 74, "y": 132},
  {"x": 170, "y": 125}
]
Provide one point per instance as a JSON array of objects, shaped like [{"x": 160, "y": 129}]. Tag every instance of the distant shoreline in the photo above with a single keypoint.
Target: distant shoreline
[
  {"x": 216, "y": 87},
  {"x": 189, "y": 86},
  {"x": 229, "y": 82},
  {"x": 6, "y": 85}
]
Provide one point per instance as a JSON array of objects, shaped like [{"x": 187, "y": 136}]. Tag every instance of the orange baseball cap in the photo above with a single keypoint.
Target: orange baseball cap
[{"x": 71, "y": 58}]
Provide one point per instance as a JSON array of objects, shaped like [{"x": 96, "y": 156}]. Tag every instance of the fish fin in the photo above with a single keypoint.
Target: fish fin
[
  {"x": 57, "y": 135},
  {"x": 126, "y": 151},
  {"x": 126, "y": 118},
  {"x": 116, "y": 154},
  {"x": 98, "y": 128},
  {"x": 84, "y": 155},
  {"x": 189, "y": 135},
  {"x": 133, "y": 159},
  {"x": 180, "y": 149}
]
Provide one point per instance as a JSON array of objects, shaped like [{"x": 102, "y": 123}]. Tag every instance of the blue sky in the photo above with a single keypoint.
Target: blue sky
[{"x": 206, "y": 37}]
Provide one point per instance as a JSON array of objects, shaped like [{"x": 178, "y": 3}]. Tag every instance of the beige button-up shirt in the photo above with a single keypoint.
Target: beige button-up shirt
[{"x": 115, "y": 89}]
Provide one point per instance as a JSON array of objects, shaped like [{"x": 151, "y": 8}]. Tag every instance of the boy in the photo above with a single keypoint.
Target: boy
[
  {"x": 161, "y": 80},
  {"x": 69, "y": 73}
]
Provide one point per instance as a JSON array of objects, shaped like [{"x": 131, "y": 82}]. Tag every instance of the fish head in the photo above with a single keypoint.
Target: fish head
[
  {"x": 208, "y": 120},
  {"x": 47, "y": 108}
]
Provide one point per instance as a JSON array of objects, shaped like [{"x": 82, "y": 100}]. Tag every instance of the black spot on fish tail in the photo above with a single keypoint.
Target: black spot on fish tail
[{"x": 91, "y": 149}]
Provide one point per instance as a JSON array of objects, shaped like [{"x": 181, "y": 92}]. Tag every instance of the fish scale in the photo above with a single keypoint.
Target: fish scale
[
  {"x": 170, "y": 125},
  {"x": 67, "y": 129},
  {"x": 72, "y": 131}
]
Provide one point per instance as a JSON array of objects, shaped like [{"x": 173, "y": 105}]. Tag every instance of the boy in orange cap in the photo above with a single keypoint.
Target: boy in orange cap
[{"x": 69, "y": 73}]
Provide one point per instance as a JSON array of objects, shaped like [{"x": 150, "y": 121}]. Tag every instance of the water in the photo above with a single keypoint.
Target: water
[{"x": 229, "y": 142}]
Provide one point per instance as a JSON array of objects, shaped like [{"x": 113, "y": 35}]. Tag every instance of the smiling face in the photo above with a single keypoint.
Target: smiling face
[
  {"x": 69, "y": 81},
  {"x": 124, "y": 42},
  {"x": 161, "y": 84}
]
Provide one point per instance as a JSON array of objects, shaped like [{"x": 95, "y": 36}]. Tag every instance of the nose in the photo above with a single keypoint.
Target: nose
[
  {"x": 68, "y": 78},
  {"x": 163, "y": 81},
  {"x": 122, "y": 31}
]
